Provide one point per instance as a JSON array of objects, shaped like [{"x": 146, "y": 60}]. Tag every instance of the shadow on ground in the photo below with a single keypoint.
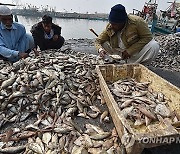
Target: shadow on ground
[
  {"x": 171, "y": 76},
  {"x": 165, "y": 149}
]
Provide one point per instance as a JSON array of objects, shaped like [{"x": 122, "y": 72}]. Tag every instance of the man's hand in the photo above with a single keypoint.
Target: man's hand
[
  {"x": 23, "y": 55},
  {"x": 102, "y": 53},
  {"x": 55, "y": 37},
  {"x": 125, "y": 55}
]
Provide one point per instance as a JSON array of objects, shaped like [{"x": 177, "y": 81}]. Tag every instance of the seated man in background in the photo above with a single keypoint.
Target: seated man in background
[
  {"x": 15, "y": 44},
  {"x": 47, "y": 35},
  {"x": 127, "y": 36}
]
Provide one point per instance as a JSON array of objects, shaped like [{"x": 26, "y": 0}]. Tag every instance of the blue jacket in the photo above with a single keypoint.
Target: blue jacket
[{"x": 12, "y": 41}]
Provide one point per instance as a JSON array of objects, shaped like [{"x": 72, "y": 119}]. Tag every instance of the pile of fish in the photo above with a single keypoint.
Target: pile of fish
[
  {"x": 169, "y": 58},
  {"x": 72, "y": 142},
  {"x": 139, "y": 103},
  {"x": 52, "y": 104}
]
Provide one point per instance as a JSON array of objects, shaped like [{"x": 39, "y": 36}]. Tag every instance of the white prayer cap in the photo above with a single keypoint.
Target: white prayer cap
[{"x": 4, "y": 10}]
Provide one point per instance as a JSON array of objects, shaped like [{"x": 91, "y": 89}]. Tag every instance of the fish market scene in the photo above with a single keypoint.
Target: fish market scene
[{"x": 89, "y": 77}]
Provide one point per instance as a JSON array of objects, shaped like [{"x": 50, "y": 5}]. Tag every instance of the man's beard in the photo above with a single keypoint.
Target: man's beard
[{"x": 8, "y": 27}]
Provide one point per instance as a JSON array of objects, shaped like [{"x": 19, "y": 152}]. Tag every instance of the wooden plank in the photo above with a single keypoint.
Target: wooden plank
[{"x": 114, "y": 110}]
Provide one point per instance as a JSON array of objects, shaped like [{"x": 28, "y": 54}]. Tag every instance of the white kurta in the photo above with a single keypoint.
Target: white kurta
[{"x": 145, "y": 56}]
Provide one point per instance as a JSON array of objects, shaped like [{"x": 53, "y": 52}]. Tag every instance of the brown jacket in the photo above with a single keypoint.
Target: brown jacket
[{"x": 135, "y": 35}]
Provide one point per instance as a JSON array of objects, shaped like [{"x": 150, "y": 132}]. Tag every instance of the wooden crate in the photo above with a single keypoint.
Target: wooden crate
[{"x": 141, "y": 74}]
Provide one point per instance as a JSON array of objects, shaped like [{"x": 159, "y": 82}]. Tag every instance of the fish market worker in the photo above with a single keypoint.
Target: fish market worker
[
  {"x": 127, "y": 36},
  {"x": 15, "y": 44},
  {"x": 47, "y": 35}
]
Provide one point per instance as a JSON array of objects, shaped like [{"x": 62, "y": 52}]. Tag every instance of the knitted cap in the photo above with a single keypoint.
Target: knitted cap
[
  {"x": 118, "y": 14},
  {"x": 4, "y": 10}
]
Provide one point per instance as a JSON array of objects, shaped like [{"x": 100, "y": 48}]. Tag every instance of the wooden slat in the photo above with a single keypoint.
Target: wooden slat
[{"x": 114, "y": 110}]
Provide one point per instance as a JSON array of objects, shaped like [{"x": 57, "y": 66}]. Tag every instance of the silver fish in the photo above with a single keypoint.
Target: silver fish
[
  {"x": 8, "y": 82},
  {"x": 14, "y": 150},
  {"x": 100, "y": 136}
]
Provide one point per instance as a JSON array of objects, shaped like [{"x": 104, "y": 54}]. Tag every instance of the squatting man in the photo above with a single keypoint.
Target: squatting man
[
  {"x": 127, "y": 36},
  {"x": 15, "y": 44}
]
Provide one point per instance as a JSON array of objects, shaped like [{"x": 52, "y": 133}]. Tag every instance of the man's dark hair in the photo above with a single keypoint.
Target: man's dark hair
[{"x": 47, "y": 19}]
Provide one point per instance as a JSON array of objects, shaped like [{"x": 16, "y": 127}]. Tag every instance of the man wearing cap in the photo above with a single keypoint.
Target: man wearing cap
[
  {"x": 47, "y": 35},
  {"x": 127, "y": 36},
  {"x": 15, "y": 44}
]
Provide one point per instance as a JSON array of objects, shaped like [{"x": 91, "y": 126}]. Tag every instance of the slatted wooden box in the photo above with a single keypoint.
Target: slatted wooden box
[{"x": 139, "y": 137}]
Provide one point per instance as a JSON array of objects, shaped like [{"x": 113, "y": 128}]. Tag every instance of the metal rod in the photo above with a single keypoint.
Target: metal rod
[
  {"x": 93, "y": 32},
  {"x": 7, "y": 4}
]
